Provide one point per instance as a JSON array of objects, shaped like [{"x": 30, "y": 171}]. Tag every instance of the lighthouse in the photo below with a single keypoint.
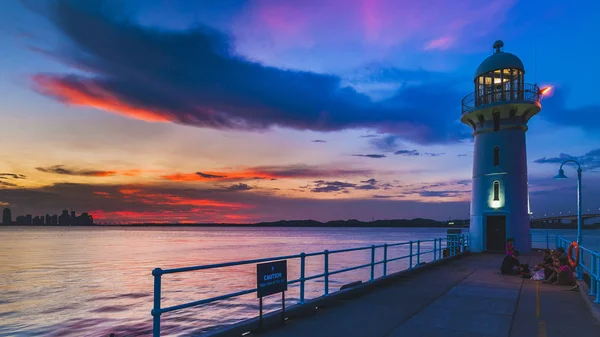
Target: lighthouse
[{"x": 498, "y": 111}]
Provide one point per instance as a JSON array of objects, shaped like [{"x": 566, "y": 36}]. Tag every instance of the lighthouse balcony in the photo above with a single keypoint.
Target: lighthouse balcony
[{"x": 527, "y": 93}]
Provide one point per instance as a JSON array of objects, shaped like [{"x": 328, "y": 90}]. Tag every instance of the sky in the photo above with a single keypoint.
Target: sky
[{"x": 245, "y": 111}]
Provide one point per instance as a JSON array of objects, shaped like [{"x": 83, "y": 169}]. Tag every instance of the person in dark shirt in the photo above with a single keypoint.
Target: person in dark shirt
[
  {"x": 547, "y": 264},
  {"x": 509, "y": 263}
]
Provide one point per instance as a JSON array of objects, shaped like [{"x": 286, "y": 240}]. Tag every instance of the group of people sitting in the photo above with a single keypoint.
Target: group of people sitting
[{"x": 554, "y": 269}]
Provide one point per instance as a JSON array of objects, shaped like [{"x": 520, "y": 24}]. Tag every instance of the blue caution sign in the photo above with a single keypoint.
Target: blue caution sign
[{"x": 271, "y": 278}]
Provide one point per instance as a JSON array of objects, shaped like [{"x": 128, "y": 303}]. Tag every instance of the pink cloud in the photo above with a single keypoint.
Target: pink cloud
[
  {"x": 381, "y": 24},
  {"x": 441, "y": 43}
]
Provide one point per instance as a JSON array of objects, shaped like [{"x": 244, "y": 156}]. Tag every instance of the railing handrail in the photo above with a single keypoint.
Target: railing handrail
[
  {"x": 284, "y": 257},
  {"x": 469, "y": 102},
  {"x": 455, "y": 244}
]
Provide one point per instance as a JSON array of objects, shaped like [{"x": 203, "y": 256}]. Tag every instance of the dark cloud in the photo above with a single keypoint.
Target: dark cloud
[
  {"x": 210, "y": 176},
  {"x": 7, "y": 184},
  {"x": 60, "y": 169},
  {"x": 322, "y": 186},
  {"x": 319, "y": 141},
  {"x": 416, "y": 153},
  {"x": 374, "y": 156},
  {"x": 268, "y": 173},
  {"x": 238, "y": 187},
  {"x": 442, "y": 194},
  {"x": 368, "y": 136},
  {"x": 555, "y": 110},
  {"x": 407, "y": 152},
  {"x": 461, "y": 155},
  {"x": 371, "y": 181},
  {"x": 462, "y": 182},
  {"x": 590, "y": 160},
  {"x": 12, "y": 176},
  {"x": 389, "y": 143},
  {"x": 377, "y": 196},
  {"x": 191, "y": 77},
  {"x": 370, "y": 184},
  {"x": 367, "y": 187},
  {"x": 444, "y": 189}
]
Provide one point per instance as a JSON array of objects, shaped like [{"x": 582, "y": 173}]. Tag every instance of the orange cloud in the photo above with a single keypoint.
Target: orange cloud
[
  {"x": 81, "y": 92},
  {"x": 220, "y": 176},
  {"x": 61, "y": 169},
  {"x": 174, "y": 200},
  {"x": 168, "y": 216},
  {"x": 267, "y": 172}
]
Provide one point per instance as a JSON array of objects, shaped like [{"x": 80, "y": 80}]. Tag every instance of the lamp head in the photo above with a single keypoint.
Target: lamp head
[{"x": 561, "y": 174}]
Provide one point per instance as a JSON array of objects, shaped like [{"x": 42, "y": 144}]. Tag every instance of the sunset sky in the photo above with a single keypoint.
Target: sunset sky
[{"x": 245, "y": 111}]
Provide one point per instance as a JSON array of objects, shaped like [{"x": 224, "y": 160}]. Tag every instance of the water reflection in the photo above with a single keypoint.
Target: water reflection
[{"x": 94, "y": 281}]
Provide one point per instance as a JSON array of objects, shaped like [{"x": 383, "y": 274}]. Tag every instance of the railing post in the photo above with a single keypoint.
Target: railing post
[
  {"x": 418, "y": 252},
  {"x": 385, "y": 259},
  {"x": 593, "y": 272},
  {"x": 597, "y": 279},
  {"x": 579, "y": 267},
  {"x": 434, "y": 249},
  {"x": 410, "y": 257},
  {"x": 326, "y": 267},
  {"x": 157, "y": 273},
  {"x": 372, "y": 262},
  {"x": 302, "y": 268}
]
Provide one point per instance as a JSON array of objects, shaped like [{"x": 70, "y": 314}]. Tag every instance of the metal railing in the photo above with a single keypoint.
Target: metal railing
[
  {"x": 529, "y": 93},
  {"x": 544, "y": 241},
  {"x": 454, "y": 245},
  {"x": 589, "y": 262}
]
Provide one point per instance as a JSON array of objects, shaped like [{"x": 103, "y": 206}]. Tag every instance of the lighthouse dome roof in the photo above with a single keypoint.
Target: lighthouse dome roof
[{"x": 499, "y": 60}]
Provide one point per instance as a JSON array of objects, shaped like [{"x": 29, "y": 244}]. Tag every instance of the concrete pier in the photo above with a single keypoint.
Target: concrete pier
[{"x": 465, "y": 297}]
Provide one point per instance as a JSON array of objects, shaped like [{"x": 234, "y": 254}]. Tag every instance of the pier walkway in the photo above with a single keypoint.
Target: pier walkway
[{"x": 467, "y": 297}]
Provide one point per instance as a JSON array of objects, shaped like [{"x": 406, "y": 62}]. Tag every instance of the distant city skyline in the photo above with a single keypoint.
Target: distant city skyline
[
  {"x": 65, "y": 219},
  {"x": 241, "y": 112}
]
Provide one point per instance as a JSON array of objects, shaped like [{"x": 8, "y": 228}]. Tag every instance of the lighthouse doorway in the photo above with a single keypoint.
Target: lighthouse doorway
[{"x": 495, "y": 233}]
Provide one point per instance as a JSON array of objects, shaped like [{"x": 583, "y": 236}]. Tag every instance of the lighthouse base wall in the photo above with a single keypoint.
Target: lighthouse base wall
[{"x": 516, "y": 226}]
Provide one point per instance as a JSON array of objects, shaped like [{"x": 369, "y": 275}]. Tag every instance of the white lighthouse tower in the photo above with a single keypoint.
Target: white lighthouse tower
[{"x": 498, "y": 111}]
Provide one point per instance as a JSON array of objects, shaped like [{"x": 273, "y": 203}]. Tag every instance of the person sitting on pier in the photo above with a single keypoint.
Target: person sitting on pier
[
  {"x": 510, "y": 246},
  {"x": 548, "y": 263},
  {"x": 563, "y": 275},
  {"x": 510, "y": 264}
]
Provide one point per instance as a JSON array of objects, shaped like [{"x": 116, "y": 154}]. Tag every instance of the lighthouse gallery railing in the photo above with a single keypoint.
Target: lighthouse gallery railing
[{"x": 529, "y": 93}]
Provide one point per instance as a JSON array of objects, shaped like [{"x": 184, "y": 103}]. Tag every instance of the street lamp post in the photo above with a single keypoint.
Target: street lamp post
[{"x": 561, "y": 175}]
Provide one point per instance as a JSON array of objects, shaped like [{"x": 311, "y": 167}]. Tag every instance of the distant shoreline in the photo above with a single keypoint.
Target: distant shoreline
[{"x": 404, "y": 223}]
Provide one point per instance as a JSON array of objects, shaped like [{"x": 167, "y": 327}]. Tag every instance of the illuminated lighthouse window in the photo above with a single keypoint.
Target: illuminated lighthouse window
[{"x": 496, "y": 192}]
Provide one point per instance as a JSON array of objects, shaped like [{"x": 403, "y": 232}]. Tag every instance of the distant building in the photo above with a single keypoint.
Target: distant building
[
  {"x": 64, "y": 219},
  {"x": 21, "y": 220},
  {"x": 48, "y": 219},
  {"x": 36, "y": 221},
  {"x": 73, "y": 217},
  {"x": 28, "y": 219},
  {"x": 54, "y": 220},
  {"x": 6, "y": 217},
  {"x": 84, "y": 219}
]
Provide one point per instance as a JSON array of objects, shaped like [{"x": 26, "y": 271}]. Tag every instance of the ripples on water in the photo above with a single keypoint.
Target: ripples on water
[{"x": 97, "y": 281}]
